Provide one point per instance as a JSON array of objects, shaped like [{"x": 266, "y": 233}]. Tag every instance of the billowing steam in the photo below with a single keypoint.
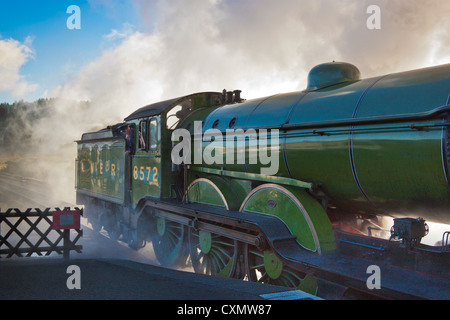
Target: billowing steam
[{"x": 261, "y": 47}]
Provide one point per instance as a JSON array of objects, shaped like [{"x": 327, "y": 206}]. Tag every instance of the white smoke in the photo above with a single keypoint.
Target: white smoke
[{"x": 261, "y": 47}]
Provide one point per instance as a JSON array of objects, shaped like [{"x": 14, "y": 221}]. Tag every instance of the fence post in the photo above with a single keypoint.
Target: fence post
[
  {"x": 66, "y": 243},
  {"x": 66, "y": 220}
]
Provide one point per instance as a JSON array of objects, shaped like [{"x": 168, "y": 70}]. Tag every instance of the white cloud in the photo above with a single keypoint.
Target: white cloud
[
  {"x": 13, "y": 55},
  {"x": 126, "y": 31}
]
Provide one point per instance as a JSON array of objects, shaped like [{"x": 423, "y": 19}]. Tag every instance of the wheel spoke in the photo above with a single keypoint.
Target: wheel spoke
[
  {"x": 219, "y": 257},
  {"x": 217, "y": 251},
  {"x": 215, "y": 265},
  {"x": 287, "y": 281},
  {"x": 222, "y": 251},
  {"x": 257, "y": 266},
  {"x": 174, "y": 233},
  {"x": 224, "y": 243},
  {"x": 292, "y": 274},
  {"x": 257, "y": 253},
  {"x": 264, "y": 267},
  {"x": 169, "y": 243}
]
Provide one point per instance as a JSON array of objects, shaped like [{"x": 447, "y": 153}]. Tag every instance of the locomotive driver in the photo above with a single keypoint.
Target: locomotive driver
[{"x": 128, "y": 134}]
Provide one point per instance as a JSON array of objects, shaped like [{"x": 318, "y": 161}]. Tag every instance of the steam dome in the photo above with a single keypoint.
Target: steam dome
[{"x": 329, "y": 74}]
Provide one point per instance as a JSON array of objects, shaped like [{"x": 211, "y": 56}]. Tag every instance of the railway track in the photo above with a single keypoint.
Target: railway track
[{"x": 23, "y": 192}]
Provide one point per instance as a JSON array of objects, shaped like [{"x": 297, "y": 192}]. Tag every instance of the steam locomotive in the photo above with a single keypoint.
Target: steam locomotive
[{"x": 348, "y": 152}]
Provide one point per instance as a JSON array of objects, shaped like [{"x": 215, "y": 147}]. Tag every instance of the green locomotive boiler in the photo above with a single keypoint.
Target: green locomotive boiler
[{"x": 347, "y": 150}]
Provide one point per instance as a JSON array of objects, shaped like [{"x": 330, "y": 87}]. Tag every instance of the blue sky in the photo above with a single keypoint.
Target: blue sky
[{"x": 57, "y": 51}]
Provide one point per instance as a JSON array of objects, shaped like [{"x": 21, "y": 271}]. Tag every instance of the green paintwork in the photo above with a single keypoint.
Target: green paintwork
[
  {"x": 415, "y": 157},
  {"x": 288, "y": 211},
  {"x": 226, "y": 271},
  {"x": 150, "y": 171},
  {"x": 267, "y": 267},
  {"x": 306, "y": 220},
  {"x": 272, "y": 264},
  {"x": 146, "y": 170},
  {"x": 379, "y": 167},
  {"x": 146, "y": 177},
  {"x": 324, "y": 160},
  {"x": 329, "y": 74},
  {"x": 107, "y": 179},
  {"x": 211, "y": 253},
  {"x": 217, "y": 191},
  {"x": 204, "y": 192},
  {"x": 161, "y": 226},
  {"x": 274, "y": 268},
  {"x": 169, "y": 243},
  {"x": 100, "y": 169},
  {"x": 205, "y": 241},
  {"x": 301, "y": 213},
  {"x": 253, "y": 176},
  {"x": 309, "y": 285},
  {"x": 200, "y": 105}
]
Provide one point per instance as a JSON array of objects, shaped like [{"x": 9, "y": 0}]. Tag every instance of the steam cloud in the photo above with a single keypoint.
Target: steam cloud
[{"x": 261, "y": 47}]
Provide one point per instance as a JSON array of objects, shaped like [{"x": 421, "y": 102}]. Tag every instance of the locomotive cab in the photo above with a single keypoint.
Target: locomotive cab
[
  {"x": 152, "y": 171},
  {"x": 111, "y": 179}
]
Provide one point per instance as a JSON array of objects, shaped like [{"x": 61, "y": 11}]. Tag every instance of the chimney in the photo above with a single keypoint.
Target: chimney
[
  {"x": 237, "y": 96},
  {"x": 230, "y": 97}
]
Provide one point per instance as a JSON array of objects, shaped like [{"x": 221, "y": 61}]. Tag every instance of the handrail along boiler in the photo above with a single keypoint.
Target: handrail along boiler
[{"x": 351, "y": 152}]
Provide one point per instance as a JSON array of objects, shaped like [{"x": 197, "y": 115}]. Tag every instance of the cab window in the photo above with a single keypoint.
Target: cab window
[
  {"x": 153, "y": 143},
  {"x": 178, "y": 113},
  {"x": 143, "y": 135}
]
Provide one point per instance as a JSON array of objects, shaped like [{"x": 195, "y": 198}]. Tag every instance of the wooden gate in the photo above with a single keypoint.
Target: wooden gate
[{"x": 24, "y": 233}]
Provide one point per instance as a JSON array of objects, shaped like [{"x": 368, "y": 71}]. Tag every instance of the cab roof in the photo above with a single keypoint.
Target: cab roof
[{"x": 159, "y": 107}]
